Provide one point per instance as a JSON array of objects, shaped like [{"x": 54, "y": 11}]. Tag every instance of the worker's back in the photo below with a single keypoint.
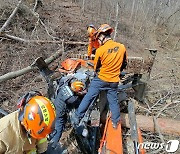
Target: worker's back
[{"x": 111, "y": 55}]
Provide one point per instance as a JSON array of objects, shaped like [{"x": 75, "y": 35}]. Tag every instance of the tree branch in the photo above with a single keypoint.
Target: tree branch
[
  {"x": 35, "y": 5},
  {"x": 16, "y": 38},
  {"x": 10, "y": 17},
  {"x": 42, "y": 41},
  {"x": 15, "y": 74}
]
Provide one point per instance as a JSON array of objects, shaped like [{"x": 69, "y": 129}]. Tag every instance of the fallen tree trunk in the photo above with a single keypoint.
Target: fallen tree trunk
[
  {"x": 135, "y": 65},
  {"x": 42, "y": 41},
  {"x": 15, "y": 74},
  {"x": 145, "y": 123}
]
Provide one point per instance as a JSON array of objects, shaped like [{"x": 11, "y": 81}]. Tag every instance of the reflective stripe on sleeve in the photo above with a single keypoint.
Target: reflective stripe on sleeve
[
  {"x": 42, "y": 140},
  {"x": 33, "y": 151}
]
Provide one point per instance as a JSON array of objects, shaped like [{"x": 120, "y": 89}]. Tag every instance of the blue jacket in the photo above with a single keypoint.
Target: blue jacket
[{"x": 64, "y": 102}]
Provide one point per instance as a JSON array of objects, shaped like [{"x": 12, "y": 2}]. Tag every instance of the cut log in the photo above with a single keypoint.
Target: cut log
[{"x": 145, "y": 123}]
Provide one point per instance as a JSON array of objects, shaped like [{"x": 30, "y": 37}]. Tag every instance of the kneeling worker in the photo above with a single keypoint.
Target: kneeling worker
[{"x": 25, "y": 131}]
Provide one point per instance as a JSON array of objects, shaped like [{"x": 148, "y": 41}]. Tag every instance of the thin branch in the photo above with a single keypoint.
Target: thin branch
[
  {"x": 161, "y": 99},
  {"x": 43, "y": 41},
  {"x": 16, "y": 38},
  {"x": 176, "y": 44},
  {"x": 144, "y": 108},
  {"x": 35, "y": 5},
  {"x": 46, "y": 29},
  {"x": 170, "y": 16},
  {"x": 165, "y": 107},
  {"x": 145, "y": 101},
  {"x": 63, "y": 46},
  {"x": 169, "y": 33},
  {"x": 158, "y": 129},
  {"x": 176, "y": 115},
  {"x": 42, "y": 23},
  {"x": 144, "y": 21},
  {"x": 132, "y": 9},
  {"x": 83, "y": 6},
  {"x": 10, "y": 17},
  {"x": 135, "y": 16},
  {"x": 63, "y": 49}
]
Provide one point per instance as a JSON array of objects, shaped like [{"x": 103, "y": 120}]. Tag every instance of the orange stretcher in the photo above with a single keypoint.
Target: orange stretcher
[{"x": 111, "y": 142}]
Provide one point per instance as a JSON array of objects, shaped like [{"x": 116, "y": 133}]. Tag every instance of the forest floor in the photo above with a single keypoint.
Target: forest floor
[{"x": 64, "y": 20}]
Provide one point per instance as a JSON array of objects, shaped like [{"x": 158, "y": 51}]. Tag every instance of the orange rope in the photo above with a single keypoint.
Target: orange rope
[{"x": 102, "y": 141}]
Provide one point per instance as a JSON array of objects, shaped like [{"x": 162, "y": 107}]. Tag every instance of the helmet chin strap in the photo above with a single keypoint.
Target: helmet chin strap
[
  {"x": 27, "y": 134},
  {"x": 29, "y": 137}
]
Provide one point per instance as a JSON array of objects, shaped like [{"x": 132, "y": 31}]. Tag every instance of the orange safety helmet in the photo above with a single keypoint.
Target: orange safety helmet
[
  {"x": 70, "y": 64},
  {"x": 77, "y": 86},
  {"x": 102, "y": 29},
  {"x": 37, "y": 114},
  {"x": 91, "y": 30}
]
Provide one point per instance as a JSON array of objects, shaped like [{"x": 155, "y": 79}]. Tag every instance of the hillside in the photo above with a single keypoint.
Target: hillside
[{"x": 138, "y": 24}]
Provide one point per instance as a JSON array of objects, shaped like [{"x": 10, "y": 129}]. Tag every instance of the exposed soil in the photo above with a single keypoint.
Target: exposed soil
[{"x": 64, "y": 20}]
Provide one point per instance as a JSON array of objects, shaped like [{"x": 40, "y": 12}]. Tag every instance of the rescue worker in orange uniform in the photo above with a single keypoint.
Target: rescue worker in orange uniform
[
  {"x": 93, "y": 43},
  {"x": 25, "y": 131},
  {"x": 110, "y": 60}
]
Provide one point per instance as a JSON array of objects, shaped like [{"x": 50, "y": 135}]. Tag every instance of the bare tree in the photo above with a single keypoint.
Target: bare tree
[{"x": 117, "y": 20}]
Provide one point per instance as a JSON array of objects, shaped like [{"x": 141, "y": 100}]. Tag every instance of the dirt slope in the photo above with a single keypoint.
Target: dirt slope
[{"x": 64, "y": 20}]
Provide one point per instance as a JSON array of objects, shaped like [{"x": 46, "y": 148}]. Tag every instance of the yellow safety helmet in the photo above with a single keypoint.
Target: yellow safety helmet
[{"x": 77, "y": 86}]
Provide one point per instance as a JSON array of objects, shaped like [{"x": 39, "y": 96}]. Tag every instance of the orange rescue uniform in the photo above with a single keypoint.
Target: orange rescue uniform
[
  {"x": 110, "y": 57},
  {"x": 92, "y": 44}
]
